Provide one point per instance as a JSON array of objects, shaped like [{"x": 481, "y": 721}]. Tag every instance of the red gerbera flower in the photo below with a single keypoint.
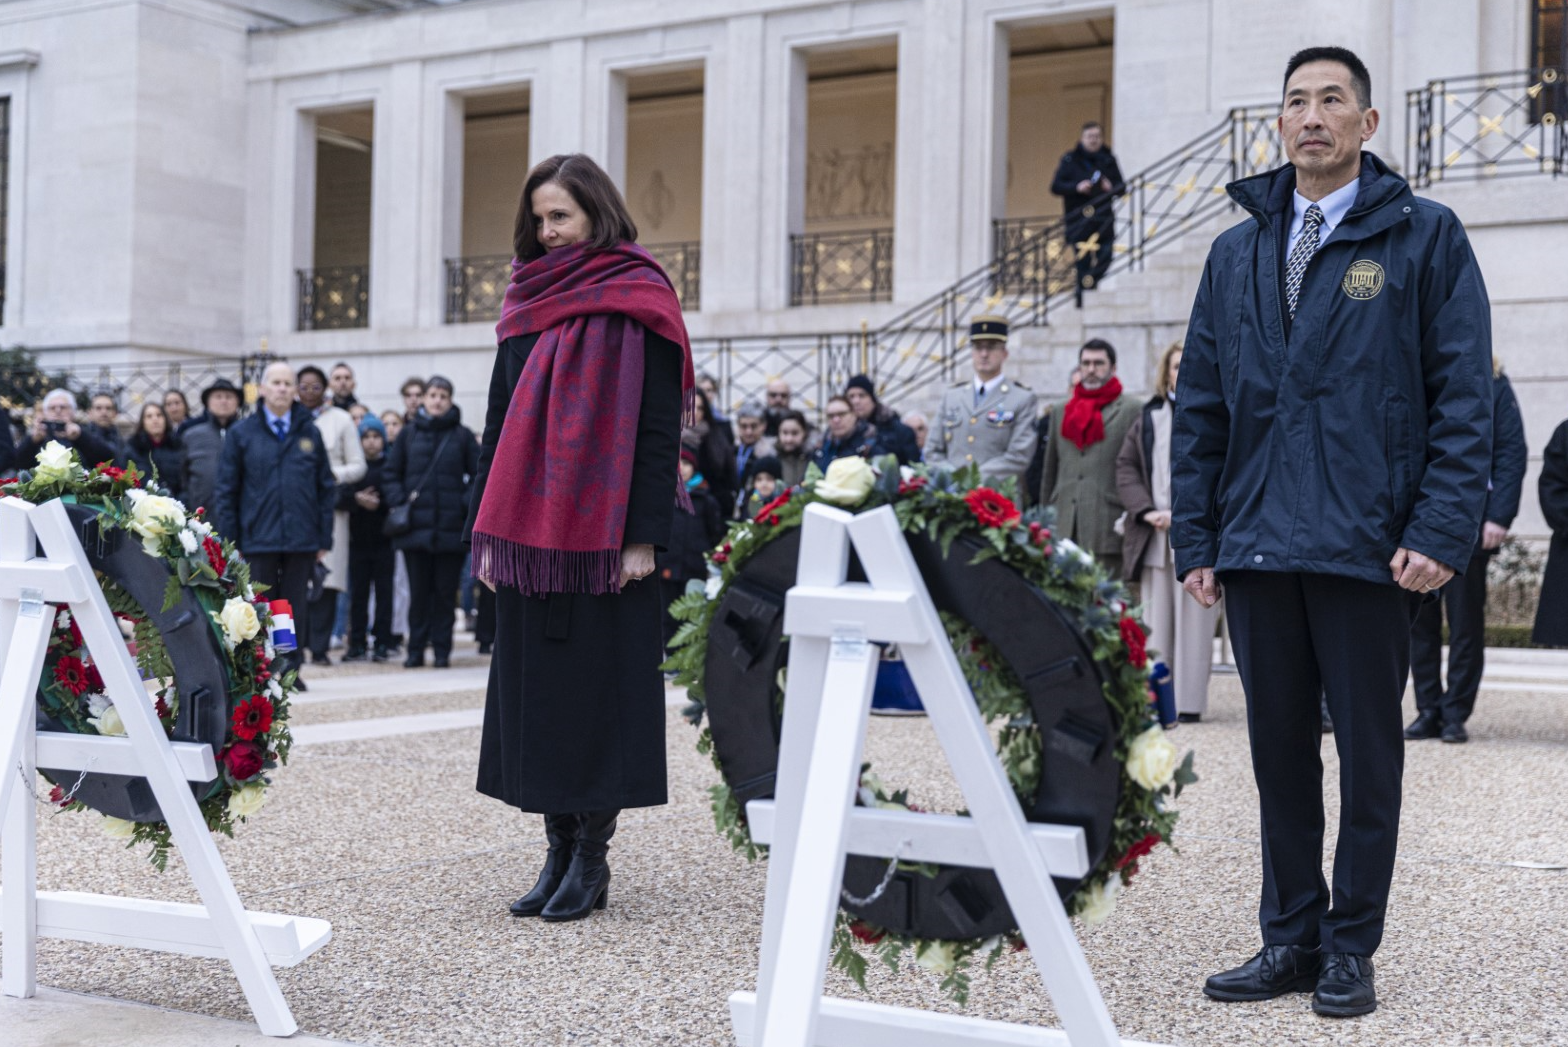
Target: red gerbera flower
[
  {"x": 113, "y": 472},
  {"x": 991, "y": 508},
  {"x": 71, "y": 674},
  {"x": 1135, "y": 639},
  {"x": 253, "y": 717}
]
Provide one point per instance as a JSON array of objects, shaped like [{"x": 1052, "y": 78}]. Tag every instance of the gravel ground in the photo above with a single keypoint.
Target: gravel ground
[{"x": 388, "y": 840}]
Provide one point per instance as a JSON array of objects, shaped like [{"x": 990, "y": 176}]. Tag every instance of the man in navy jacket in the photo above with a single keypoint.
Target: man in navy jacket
[
  {"x": 1330, "y": 452},
  {"x": 1443, "y": 712},
  {"x": 275, "y": 493}
]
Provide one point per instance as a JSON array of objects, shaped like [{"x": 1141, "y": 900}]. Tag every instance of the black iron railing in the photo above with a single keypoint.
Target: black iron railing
[
  {"x": 683, "y": 263},
  {"x": 334, "y": 297},
  {"x": 131, "y": 385},
  {"x": 1032, "y": 273},
  {"x": 841, "y": 267},
  {"x": 1036, "y": 258},
  {"x": 475, "y": 287},
  {"x": 1486, "y": 126}
]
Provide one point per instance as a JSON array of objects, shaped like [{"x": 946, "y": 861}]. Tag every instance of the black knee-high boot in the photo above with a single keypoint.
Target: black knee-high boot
[
  {"x": 561, "y": 830},
  {"x": 587, "y": 883}
]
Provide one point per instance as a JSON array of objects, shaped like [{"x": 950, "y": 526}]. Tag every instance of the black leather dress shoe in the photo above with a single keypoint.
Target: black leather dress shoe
[
  {"x": 1455, "y": 732},
  {"x": 1345, "y": 986},
  {"x": 1427, "y": 724},
  {"x": 1274, "y": 971}
]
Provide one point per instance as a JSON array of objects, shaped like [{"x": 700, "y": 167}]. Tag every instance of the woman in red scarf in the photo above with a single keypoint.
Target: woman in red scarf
[{"x": 577, "y": 485}]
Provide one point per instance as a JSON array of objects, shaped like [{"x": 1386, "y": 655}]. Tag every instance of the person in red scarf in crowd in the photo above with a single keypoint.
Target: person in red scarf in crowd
[
  {"x": 579, "y": 476},
  {"x": 1078, "y": 476}
]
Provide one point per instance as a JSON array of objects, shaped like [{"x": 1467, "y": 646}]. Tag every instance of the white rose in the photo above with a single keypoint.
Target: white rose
[
  {"x": 1099, "y": 901},
  {"x": 247, "y": 800},
  {"x": 239, "y": 621},
  {"x": 108, "y": 723},
  {"x": 1151, "y": 759},
  {"x": 153, "y": 516},
  {"x": 937, "y": 957},
  {"x": 711, "y": 587},
  {"x": 118, "y": 828},
  {"x": 55, "y": 462},
  {"x": 847, "y": 482}
]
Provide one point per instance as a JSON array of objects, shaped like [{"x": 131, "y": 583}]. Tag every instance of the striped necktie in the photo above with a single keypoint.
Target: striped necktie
[{"x": 1301, "y": 254}]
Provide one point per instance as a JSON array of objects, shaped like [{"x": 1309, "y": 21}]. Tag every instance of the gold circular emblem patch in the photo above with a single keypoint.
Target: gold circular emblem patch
[
  {"x": 307, "y": 445},
  {"x": 1363, "y": 280}
]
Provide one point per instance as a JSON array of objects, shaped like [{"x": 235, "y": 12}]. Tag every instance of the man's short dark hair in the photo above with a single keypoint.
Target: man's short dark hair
[
  {"x": 311, "y": 369},
  {"x": 102, "y": 395},
  {"x": 418, "y": 383},
  {"x": 343, "y": 364},
  {"x": 1360, "y": 79},
  {"x": 1090, "y": 125},
  {"x": 438, "y": 382},
  {"x": 1102, "y": 345}
]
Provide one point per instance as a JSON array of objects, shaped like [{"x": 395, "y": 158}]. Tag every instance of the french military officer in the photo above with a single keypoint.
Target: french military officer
[{"x": 989, "y": 419}]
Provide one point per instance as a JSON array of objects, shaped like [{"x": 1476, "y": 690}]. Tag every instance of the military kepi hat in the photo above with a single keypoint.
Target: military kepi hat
[{"x": 988, "y": 329}]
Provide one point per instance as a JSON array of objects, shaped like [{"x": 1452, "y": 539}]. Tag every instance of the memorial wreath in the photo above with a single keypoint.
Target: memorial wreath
[
  {"x": 71, "y": 692},
  {"x": 945, "y": 506}
]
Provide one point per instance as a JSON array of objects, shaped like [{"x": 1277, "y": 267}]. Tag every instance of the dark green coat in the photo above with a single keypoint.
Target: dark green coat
[{"x": 1082, "y": 484}]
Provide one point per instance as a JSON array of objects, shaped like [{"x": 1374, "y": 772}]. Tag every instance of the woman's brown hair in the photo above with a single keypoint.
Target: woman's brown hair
[
  {"x": 595, "y": 194},
  {"x": 1162, "y": 377}
]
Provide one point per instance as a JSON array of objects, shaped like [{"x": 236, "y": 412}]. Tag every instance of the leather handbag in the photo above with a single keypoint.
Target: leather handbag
[{"x": 400, "y": 518}]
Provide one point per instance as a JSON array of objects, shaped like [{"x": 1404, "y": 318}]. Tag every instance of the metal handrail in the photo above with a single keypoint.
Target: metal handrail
[
  {"x": 1486, "y": 126},
  {"x": 850, "y": 266}
]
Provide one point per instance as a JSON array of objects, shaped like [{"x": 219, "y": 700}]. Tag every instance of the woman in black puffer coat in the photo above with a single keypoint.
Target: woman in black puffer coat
[
  {"x": 152, "y": 445},
  {"x": 436, "y": 446}
]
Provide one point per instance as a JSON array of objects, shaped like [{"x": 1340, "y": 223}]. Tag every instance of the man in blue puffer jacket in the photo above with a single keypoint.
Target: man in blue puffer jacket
[
  {"x": 275, "y": 493},
  {"x": 1330, "y": 452}
]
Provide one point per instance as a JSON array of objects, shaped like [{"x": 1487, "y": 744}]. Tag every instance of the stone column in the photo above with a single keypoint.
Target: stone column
[
  {"x": 733, "y": 223},
  {"x": 396, "y": 259}
]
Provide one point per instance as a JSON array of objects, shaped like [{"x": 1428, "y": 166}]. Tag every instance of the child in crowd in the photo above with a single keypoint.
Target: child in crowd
[
  {"x": 370, "y": 559},
  {"x": 764, "y": 485},
  {"x": 693, "y": 534}
]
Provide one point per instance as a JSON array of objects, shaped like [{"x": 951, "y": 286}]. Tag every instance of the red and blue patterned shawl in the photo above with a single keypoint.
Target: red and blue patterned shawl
[{"x": 554, "y": 507}]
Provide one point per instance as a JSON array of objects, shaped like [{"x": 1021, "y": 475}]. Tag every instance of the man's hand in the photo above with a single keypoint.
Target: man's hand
[
  {"x": 1105, "y": 185},
  {"x": 636, "y": 563},
  {"x": 73, "y": 431},
  {"x": 1159, "y": 519},
  {"x": 1418, "y": 573},
  {"x": 1084, "y": 187},
  {"x": 1201, "y": 584},
  {"x": 321, "y": 554},
  {"x": 369, "y": 498},
  {"x": 1492, "y": 535}
]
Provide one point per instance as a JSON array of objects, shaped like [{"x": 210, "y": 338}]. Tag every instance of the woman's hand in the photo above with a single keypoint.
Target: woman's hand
[
  {"x": 636, "y": 563},
  {"x": 1159, "y": 519}
]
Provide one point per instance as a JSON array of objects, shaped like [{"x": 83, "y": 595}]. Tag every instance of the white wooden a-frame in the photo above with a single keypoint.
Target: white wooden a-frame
[
  {"x": 813, "y": 821},
  {"x": 253, "y": 942}
]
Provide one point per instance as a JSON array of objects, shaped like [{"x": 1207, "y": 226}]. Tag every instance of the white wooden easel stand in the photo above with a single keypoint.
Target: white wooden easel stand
[
  {"x": 813, "y": 822},
  {"x": 253, "y": 942}
]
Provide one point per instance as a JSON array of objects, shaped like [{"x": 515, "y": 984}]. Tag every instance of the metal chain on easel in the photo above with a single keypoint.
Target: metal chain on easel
[
  {"x": 887, "y": 878},
  {"x": 69, "y": 795}
]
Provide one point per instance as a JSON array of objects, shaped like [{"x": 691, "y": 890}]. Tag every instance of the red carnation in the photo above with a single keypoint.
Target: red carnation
[
  {"x": 1135, "y": 638},
  {"x": 912, "y": 485},
  {"x": 769, "y": 512},
  {"x": 94, "y": 678},
  {"x": 1137, "y": 851},
  {"x": 721, "y": 558},
  {"x": 214, "y": 552},
  {"x": 253, "y": 717},
  {"x": 992, "y": 509},
  {"x": 71, "y": 674},
  {"x": 243, "y": 760},
  {"x": 161, "y": 707},
  {"x": 113, "y": 472},
  {"x": 57, "y": 795},
  {"x": 864, "y": 932}
]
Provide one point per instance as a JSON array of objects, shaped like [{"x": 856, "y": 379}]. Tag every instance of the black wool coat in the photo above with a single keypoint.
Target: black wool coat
[
  {"x": 365, "y": 525},
  {"x": 440, "y": 510},
  {"x": 692, "y": 536},
  {"x": 168, "y": 458},
  {"x": 1551, "y": 615},
  {"x": 574, "y": 714},
  {"x": 1076, "y": 165}
]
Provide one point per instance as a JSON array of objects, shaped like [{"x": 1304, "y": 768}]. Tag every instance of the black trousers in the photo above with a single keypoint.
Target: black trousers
[
  {"x": 1298, "y": 638},
  {"x": 1091, "y": 264},
  {"x": 288, "y": 577},
  {"x": 432, "y": 600},
  {"x": 323, "y": 615},
  {"x": 484, "y": 614},
  {"x": 1464, "y": 598},
  {"x": 370, "y": 568}
]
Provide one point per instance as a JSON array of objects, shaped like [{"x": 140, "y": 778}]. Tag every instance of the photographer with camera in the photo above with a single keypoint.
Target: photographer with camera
[{"x": 55, "y": 420}]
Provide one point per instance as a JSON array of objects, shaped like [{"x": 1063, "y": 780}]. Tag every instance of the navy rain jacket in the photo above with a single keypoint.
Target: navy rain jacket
[
  {"x": 275, "y": 496},
  {"x": 1364, "y": 426}
]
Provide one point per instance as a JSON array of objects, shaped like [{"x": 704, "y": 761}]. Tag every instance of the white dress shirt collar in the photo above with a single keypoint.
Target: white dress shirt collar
[
  {"x": 1335, "y": 206},
  {"x": 983, "y": 388}
]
